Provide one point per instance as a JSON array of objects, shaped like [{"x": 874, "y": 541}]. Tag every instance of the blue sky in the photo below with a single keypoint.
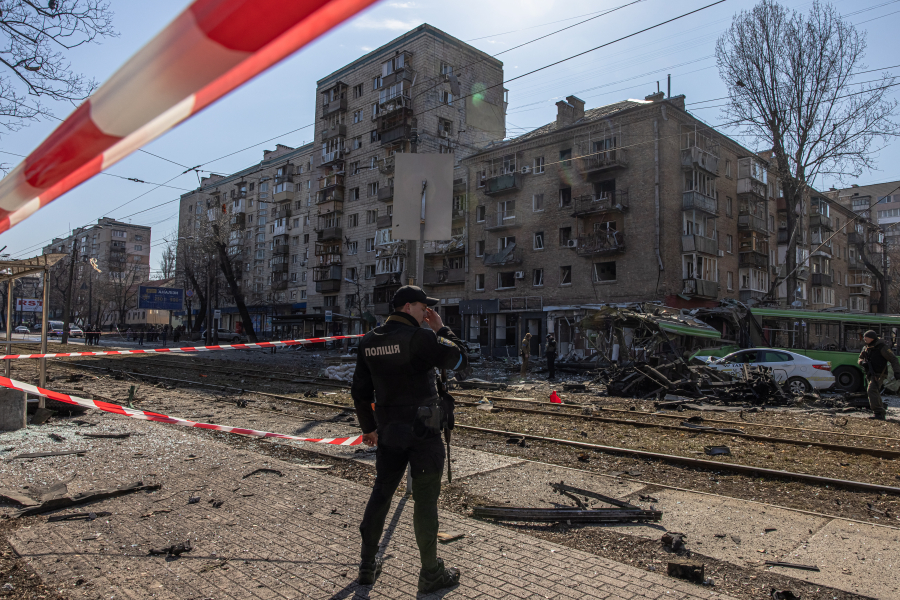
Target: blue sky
[{"x": 282, "y": 100}]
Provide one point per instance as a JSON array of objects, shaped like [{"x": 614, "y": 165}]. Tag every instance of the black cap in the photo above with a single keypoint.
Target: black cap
[
  {"x": 871, "y": 335},
  {"x": 412, "y": 293}
]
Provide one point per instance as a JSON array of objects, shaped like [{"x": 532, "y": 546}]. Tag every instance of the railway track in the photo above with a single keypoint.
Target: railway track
[
  {"x": 744, "y": 423},
  {"x": 218, "y": 369},
  {"x": 748, "y": 470}
]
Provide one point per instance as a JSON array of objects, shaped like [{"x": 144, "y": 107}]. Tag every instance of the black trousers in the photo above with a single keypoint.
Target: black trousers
[
  {"x": 426, "y": 459},
  {"x": 551, "y": 365}
]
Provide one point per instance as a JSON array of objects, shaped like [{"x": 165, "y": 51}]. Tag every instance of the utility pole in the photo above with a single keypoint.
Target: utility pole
[{"x": 70, "y": 290}]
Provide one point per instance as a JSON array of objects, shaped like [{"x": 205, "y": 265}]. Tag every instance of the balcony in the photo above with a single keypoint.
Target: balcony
[
  {"x": 327, "y": 280},
  {"x": 387, "y": 279},
  {"x": 698, "y": 158},
  {"x": 331, "y": 181},
  {"x": 329, "y": 233},
  {"x": 752, "y": 187},
  {"x": 234, "y": 251},
  {"x": 383, "y": 222},
  {"x": 280, "y": 267},
  {"x": 855, "y": 238},
  {"x": 283, "y": 213},
  {"x": 238, "y": 221},
  {"x": 752, "y": 223},
  {"x": 747, "y": 295},
  {"x": 782, "y": 236},
  {"x": 402, "y": 74},
  {"x": 334, "y": 131},
  {"x": 397, "y": 132},
  {"x": 510, "y": 182},
  {"x": 327, "y": 200},
  {"x": 508, "y": 256},
  {"x": 330, "y": 158},
  {"x": 699, "y": 243},
  {"x": 700, "y": 288},
  {"x": 383, "y": 308},
  {"x": 279, "y": 285},
  {"x": 390, "y": 103},
  {"x": 821, "y": 279},
  {"x": 283, "y": 192},
  {"x": 587, "y": 204},
  {"x": 696, "y": 201},
  {"x": 444, "y": 276},
  {"x": 500, "y": 220},
  {"x": 598, "y": 162},
  {"x": 386, "y": 193},
  {"x": 753, "y": 259},
  {"x": 281, "y": 250},
  {"x": 333, "y": 107},
  {"x": 860, "y": 287},
  {"x": 601, "y": 243},
  {"x": 822, "y": 221}
]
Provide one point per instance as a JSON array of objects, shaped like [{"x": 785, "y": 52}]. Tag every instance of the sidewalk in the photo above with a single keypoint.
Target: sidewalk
[{"x": 286, "y": 534}]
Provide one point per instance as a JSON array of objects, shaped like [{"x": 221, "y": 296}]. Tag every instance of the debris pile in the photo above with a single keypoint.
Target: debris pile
[
  {"x": 585, "y": 512},
  {"x": 680, "y": 382}
]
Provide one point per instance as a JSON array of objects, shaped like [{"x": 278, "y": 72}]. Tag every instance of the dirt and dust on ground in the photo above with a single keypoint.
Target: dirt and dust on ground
[{"x": 241, "y": 371}]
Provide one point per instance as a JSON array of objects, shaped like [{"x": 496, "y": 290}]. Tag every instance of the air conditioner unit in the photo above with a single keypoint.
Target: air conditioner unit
[
  {"x": 571, "y": 243},
  {"x": 721, "y": 253},
  {"x": 520, "y": 274},
  {"x": 445, "y": 134},
  {"x": 526, "y": 170}
]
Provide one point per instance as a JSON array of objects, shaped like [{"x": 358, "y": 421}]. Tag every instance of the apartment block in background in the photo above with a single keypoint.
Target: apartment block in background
[
  {"x": 425, "y": 91},
  {"x": 268, "y": 207},
  {"x": 630, "y": 202}
]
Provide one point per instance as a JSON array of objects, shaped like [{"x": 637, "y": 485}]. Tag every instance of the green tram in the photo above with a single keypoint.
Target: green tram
[{"x": 832, "y": 336}]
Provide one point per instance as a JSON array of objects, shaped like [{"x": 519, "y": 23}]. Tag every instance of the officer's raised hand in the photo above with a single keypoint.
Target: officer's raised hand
[{"x": 433, "y": 319}]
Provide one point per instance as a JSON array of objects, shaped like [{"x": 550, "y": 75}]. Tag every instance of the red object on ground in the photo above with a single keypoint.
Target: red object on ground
[{"x": 554, "y": 398}]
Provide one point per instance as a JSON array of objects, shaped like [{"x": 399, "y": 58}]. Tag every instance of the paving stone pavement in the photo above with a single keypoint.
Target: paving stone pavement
[{"x": 295, "y": 535}]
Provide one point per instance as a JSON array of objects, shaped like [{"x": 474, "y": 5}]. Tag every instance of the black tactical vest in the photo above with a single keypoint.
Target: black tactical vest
[{"x": 397, "y": 384}]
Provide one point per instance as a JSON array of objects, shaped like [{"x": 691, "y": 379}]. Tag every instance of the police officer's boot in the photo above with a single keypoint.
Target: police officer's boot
[
  {"x": 369, "y": 571},
  {"x": 432, "y": 580}
]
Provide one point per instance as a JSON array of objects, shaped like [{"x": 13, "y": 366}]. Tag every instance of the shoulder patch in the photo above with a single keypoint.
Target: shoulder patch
[{"x": 445, "y": 341}]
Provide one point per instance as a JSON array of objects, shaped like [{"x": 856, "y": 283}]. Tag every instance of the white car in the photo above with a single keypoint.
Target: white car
[
  {"x": 799, "y": 374},
  {"x": 22, "y": 329}
]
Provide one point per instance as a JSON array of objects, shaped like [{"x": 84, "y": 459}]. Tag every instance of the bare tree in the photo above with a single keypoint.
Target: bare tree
[
  {"x": 167, "y": 260},
  {"x": 791, "y": 87},
  {"x": 220, "y": 238},
  {"x": 122, "y": 287},
  {"x": 35, "y": 44}
]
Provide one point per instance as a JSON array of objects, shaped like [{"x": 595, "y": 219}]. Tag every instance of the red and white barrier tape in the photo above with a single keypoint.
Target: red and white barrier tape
[
  {"x": 210, "y": 49},
  {"x": 187, "y": 348},
  {"x": 150, "y": 416}
]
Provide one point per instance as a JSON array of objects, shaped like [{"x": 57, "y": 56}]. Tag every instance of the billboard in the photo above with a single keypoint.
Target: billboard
[
  {"x": 161, "y": 298},
  {"x": 29, "y": 304}
]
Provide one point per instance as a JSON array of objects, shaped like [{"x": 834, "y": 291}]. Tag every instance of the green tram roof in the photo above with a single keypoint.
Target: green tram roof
[{"x": 811, "y": 315}]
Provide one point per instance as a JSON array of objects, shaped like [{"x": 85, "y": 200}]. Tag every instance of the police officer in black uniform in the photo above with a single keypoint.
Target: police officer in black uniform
[{"x": 402, "y": 412}]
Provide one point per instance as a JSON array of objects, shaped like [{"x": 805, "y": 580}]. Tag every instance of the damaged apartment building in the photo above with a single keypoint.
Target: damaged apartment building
[
  {"x": 266, "y": 209},
  {"x": 311, "y": 227},
  {"x": 423, "y": 92},
  {"x": 630, "y": 202}
]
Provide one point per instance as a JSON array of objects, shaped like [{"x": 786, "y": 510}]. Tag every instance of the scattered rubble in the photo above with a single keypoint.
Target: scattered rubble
[
  {"x": 688, "y": 570},
  {"x": 60, "y": 499},
  {"x": 174, "y": 549}
]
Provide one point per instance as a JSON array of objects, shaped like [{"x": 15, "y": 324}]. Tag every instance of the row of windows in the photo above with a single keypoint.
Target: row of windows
[{"x": 600, "y": 272}]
